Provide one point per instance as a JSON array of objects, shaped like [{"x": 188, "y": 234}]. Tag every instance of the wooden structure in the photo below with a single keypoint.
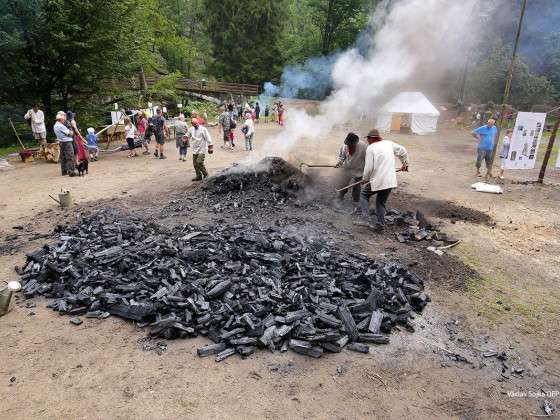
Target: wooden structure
[{"x": 211, "y": 87}]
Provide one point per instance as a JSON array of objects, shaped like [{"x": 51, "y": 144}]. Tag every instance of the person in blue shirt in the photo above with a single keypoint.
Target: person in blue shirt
[
  {"x": 91, "y": 139},
  {"x": 485, "y": 135}
]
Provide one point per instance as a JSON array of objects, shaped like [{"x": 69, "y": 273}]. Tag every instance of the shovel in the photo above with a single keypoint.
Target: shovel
[
  {"x": 359, "y": 182},
  {"x": 302, "y": 164}
]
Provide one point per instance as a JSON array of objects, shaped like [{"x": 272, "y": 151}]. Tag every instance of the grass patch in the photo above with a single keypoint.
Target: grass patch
[{"x": 499, "y": 297}]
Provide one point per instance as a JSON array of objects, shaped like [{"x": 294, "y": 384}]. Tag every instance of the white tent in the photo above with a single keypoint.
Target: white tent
[{"x": 408, "y": 111}]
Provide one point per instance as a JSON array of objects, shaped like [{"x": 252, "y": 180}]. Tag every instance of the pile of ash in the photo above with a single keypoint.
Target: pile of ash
[{"x": 241, "y": 286}]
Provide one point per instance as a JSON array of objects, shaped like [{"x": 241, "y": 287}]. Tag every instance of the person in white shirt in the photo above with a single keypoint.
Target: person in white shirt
[
  {"x": 379, "y": 175},
  {"x": 38, "y": 128},
  {"x": 248, "y": 130},
  {"x": 130, "y": 134},
  {"x": 201, "y": 143}
]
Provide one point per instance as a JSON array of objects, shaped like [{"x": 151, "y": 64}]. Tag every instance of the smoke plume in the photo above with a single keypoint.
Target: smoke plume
[{"x": 408, "y": 39}]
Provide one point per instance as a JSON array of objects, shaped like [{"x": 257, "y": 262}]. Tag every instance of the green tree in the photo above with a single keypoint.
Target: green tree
[
  {"x": 245, "y": 35},
  {"x": 486, "y": 81},
  {"x": 339, "y": 21},
  {"x": 55, "y": 50},
  {"x": 185, "y": 40}
]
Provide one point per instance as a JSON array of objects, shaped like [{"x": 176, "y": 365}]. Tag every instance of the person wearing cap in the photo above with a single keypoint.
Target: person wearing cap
[
  {"x": 64, "y": 137},
  {"x": 91, "y": 139},
  {"x": 379, "y": 176},
  {"x": 351, "y": 158},
  {"x": 201, "y": 143}
]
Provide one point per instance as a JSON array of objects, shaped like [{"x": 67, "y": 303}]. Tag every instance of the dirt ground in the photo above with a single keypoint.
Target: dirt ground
[{"x": 497, "y": 290}]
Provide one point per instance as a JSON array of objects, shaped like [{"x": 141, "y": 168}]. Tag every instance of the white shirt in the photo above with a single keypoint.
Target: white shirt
[
  {"x": 380, "y": 164},
  {"x": 251, "y": 125},
  {"x": 129, "y": 131},
  {"x": 37, "y": 121},
  {"x": 200, "y": 140}
]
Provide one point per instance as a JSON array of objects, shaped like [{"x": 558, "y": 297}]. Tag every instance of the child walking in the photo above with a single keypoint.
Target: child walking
[
  {"x": 91, "y": 139},
  {"x": 130, "y": 133},
  {"x": 504, "y": 152}
]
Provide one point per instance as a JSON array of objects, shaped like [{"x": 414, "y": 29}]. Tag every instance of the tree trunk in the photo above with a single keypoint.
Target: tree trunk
[{"x": 327, "y": 32}]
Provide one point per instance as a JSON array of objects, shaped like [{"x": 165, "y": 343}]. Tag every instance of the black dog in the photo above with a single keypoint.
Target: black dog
[{"x": 83, "y": 167}]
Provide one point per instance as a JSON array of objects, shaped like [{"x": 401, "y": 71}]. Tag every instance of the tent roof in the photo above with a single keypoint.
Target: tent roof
[{"x": 410, "y": 103}]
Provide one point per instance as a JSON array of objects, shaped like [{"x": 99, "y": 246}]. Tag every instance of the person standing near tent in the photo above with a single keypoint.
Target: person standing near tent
[
  {"x": 37, "y": 119},
  {"x": 201, "y": 143},
  {"x": 485, "y": 135},
  {"x": 379, "y": 177},
  {"x": 351, "y": 158}
]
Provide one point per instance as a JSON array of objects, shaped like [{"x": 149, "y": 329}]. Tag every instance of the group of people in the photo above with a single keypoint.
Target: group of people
[
  {"x": 368, "y": 169},
  {"x": 73, "y": 147},
  {"x": 227, "y": 123},
  {"x": 195, "y": 137}
]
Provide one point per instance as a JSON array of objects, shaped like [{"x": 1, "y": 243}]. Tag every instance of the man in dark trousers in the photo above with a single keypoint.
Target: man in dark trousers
[
  {"x": 379, "y": 175},
  {"x": 161, "y": 131}
]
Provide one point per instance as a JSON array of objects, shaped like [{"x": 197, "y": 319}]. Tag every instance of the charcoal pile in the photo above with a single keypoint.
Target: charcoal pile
[
  {"x": 242, "y": 287},
  {"x": 269, "y": 183}
]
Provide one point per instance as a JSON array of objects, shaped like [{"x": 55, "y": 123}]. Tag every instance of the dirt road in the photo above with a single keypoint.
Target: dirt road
[{"x": 52, "y": 369}]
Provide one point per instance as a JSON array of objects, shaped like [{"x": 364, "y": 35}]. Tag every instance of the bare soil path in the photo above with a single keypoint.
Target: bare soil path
[{"x": 498, "y": 290}]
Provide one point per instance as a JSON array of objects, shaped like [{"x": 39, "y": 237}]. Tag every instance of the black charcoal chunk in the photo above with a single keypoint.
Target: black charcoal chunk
[
  {"x": 211, "y": 349},
  {"x": 358, "y": 347}
]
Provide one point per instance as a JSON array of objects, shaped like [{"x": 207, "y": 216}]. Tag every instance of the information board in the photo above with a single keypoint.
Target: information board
[{"x": 525, "y": 140}]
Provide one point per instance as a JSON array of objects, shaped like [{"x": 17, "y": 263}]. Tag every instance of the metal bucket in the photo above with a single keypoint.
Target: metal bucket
[
  {"x": 6, "y": 292},
  {"x": 65, "y": 199}
]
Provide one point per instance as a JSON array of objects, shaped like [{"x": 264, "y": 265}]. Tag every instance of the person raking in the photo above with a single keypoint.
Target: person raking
[
  {"x": 380, "y": 177},
  {"x": 351, "y": 158}
]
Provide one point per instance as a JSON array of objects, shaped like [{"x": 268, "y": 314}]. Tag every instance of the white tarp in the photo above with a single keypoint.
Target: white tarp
[
  {"x": 424, "y": 114},
  {"x": 524, "y": 142}
]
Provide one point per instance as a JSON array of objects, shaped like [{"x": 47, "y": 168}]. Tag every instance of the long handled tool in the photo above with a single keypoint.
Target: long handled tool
[
  {"x": 16, "y": 133},
  {"x": 314, "y": 166},
  {"x": 358, "y": 182}
]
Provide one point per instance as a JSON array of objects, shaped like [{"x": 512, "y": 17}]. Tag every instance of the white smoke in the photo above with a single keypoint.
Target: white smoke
[{"x": 411, "y": 38}]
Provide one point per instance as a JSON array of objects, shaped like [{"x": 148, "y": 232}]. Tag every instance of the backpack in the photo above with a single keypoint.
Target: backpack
[{"x": 232, "y": 123}]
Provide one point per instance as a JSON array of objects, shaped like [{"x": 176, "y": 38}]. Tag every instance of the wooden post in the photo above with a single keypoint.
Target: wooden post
[
  {"x": 508, "y": 82},
  {"x": 548, "y": 151}
]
